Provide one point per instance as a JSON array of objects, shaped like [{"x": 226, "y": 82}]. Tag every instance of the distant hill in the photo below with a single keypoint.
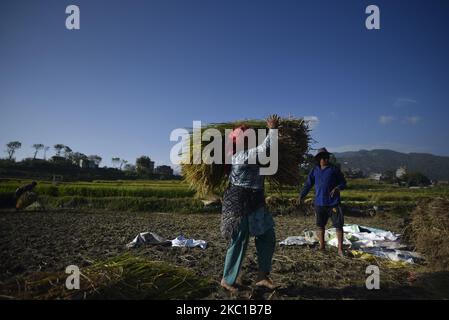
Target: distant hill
[{"x": 380, "y": 160}]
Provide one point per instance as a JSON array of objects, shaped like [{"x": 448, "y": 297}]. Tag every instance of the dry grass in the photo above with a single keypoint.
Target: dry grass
[
  {"x": 429, "y": 232},
  {"x": 123, "y": 277}
]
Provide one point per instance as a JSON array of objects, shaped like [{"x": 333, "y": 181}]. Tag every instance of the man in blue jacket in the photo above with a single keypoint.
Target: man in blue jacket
[{"x": 328, "y": 181}]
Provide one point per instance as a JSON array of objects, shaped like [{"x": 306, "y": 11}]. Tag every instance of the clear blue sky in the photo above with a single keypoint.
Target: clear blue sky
[{"x": 138, "y": 69}]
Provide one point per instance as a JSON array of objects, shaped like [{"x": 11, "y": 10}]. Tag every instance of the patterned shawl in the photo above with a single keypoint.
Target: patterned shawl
[{"x": 237, "y": 203}]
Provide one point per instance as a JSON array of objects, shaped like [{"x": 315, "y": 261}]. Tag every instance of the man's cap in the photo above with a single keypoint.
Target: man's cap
[{"x": 321, "y": 153}]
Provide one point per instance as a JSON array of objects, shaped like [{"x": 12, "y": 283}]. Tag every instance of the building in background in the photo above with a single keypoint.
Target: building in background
[
  {"x": 401, "y": 172},
  {"x": 164, "y": 170},
  {"x": 375, "y": 176}
]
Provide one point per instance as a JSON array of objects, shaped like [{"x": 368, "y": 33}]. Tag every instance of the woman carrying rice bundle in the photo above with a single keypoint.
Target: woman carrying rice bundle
[{"x": 244, "y": 213}]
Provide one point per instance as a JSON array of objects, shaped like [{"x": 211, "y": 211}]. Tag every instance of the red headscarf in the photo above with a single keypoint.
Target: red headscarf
[
  {"x": 235, "y": 137},
  {"x": 237, "y": 134}
]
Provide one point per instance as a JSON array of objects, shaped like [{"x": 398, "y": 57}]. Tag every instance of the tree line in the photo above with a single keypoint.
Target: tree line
[{"x": 63, "y": 153}]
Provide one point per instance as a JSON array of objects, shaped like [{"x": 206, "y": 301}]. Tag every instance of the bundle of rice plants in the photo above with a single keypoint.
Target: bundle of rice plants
[
  {"x": 428, "y": 231},
  {"x": 122, "y": 277},
  {"x": 293, "y": 144}
]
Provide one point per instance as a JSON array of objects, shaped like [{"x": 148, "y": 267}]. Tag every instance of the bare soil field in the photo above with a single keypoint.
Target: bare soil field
[{"x": 39, "y": 242}]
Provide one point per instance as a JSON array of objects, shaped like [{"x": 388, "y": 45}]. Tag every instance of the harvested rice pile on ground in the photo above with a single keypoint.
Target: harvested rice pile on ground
[
  {"x": 123, "y": 277},
  {"x": 429, "y": 232},
  {"x": 294, "y": 139}
]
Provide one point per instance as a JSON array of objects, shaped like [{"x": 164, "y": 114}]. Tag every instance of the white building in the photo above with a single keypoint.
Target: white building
[
  {"x": 375, "y": 176},
  {"x": 400, "y": 172}
]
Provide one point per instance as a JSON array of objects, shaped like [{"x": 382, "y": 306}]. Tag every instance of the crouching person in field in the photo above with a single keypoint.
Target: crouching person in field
[
  {"x": 25, "y": 196},
  {"x": 244, "y": 213},
  {"x": 328, "y": 181}
]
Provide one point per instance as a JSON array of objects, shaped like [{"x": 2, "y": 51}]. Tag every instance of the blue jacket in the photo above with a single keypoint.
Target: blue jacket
[{"x": 324, "y": 181}]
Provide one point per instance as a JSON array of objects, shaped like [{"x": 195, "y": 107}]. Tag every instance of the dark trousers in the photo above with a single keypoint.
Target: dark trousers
[{"x": 323, "y": 213}]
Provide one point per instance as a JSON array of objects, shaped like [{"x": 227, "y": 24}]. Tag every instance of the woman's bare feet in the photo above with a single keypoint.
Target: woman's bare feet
[
  {"x": 267, "y": 283},
  {"x": 228, "y": 287},
  {"x": 264, "y": 281},
  {"x": 239, "y": 280}
]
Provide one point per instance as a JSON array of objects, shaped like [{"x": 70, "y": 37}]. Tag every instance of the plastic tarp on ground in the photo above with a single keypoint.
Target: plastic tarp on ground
[
  {"x": 378, "y": 242},
  {"x": 151, "y": 238},
  {"x": 183, "y": 242}
]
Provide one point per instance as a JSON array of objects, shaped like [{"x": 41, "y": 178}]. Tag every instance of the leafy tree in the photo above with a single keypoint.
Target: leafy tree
[
  {"x": 115, "y": 162},
  {"x": 389, "y": 176},
  {"x": 37, "y": 147},
  {"x": 144, "y": 165},
  {"x": 414, "y": 179},
  {"x": 123, "y": 162},
  {"x": 76, "y": 157},
  {"x": 129, "y": 167},
  {"x": 58, "y": 147},
  {"x": 11, "y": 148},
  {"x": 46, "y": 148},
  {"x": 95, "y": 159},
  {"x": 67, "y": 152}
]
